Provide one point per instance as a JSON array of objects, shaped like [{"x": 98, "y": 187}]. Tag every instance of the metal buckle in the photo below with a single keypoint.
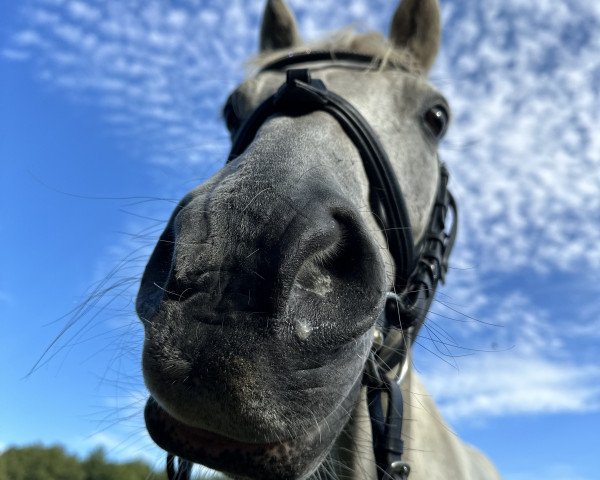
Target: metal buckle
[{"x": 400, "y": 468}]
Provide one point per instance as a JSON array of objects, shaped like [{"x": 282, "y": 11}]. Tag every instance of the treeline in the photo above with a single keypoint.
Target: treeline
[{"x": 37, "y": 462}]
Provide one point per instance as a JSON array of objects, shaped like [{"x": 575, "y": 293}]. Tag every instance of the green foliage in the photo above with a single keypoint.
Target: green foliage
[
  {"x": 40, "y": 463},
  {"x": 96, "y": 467},
  {"x": 37, "y": 462}
]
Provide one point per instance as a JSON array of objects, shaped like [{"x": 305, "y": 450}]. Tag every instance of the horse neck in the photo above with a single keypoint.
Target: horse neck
[{"x": 431, "y": 448}]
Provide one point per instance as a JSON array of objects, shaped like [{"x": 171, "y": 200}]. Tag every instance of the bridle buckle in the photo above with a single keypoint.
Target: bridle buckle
[{"x": 402, "y": 469}]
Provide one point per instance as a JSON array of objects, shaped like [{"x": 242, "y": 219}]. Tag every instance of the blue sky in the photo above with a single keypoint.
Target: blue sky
[{"x": 109, "y": 112}]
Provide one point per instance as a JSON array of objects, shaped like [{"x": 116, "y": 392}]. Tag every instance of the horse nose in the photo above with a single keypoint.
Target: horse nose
[{"x": 280, "y": 262}]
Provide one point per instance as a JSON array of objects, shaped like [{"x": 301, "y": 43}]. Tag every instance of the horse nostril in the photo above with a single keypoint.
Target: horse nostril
[
  {"x": 345, "y": 258},
  {"x": 334, "y": 256},
  {"x": 334, "y": 271}
]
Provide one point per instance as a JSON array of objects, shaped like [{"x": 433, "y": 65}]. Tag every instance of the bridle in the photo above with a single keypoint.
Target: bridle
[{"x": 419, "y": 268}]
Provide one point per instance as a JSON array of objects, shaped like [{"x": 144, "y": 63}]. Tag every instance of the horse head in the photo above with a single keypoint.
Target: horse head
[{"x": 261, "y": 298}]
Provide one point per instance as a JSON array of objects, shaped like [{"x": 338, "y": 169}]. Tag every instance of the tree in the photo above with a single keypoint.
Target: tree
[
  {"x": 40, "y": 463},
  {"x": 96, "y": 467},
  {"x": 37, "y": 462}
]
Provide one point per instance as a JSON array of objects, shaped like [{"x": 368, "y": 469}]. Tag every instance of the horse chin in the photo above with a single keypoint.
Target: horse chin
[{"x": 294, "y": 458}]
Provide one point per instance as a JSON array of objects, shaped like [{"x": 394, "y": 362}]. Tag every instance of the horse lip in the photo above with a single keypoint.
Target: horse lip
[
  {"x": 267, "y": 461},
  {"x": 286, "y": 458},
  {"x": 161, "y": 424}
]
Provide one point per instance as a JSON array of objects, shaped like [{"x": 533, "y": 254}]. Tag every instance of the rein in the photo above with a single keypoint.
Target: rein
[{"x": 417, "y": 273}]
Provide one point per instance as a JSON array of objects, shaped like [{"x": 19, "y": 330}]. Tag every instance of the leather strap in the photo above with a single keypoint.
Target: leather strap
[
  {"x": 178, "y": 468},
  {"x": 300, "y": 95},
  {"x": 329, "y": 56}
]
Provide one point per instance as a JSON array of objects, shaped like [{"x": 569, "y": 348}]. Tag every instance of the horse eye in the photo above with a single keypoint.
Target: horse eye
[{"x": 436, "y": 120}]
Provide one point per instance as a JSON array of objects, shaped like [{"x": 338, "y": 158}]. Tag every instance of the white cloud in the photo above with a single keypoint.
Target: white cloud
[
  {"x": 525, "y": 179},
  {"x": 13, "y": 54},
  {"x": 29, "y": 39},
  {"x": 523, "y": 151},
  {"x": 508, "y": 383},
  {"x": 506, "y": 355},
  {"x": 83, "y": 11},
  {"x": 152, "y": 65}
]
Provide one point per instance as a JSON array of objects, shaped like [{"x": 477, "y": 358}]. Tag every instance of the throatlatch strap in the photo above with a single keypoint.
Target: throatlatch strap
[
  {"x": 178, "y": 468},
  {"x": 386, "y": 427}
]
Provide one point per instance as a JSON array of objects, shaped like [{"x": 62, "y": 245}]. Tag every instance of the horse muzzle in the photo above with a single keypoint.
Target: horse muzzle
[{"x": 257, "y": 321}]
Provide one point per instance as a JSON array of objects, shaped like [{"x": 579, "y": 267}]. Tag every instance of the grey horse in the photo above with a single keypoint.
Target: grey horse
[{"x": 260, "y": 299}]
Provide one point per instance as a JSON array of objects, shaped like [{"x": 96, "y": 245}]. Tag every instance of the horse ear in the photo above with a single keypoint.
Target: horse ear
[
  {"x": 278, "y": 27},
  {"x": 416, "y": 26}
]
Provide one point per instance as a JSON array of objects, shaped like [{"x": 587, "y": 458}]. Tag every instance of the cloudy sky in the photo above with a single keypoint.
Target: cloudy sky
[{"x": 109, "y": 113}]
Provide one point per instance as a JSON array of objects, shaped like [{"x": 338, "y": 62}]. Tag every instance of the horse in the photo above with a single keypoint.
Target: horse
[{"x": 281, "y": 301}]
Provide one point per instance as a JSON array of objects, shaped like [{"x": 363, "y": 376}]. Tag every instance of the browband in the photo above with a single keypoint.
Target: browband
[{"x": 331, "y": 56}]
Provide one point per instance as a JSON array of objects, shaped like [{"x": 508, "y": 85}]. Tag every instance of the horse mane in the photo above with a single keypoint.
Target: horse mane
[{"x": 347, "y": 40}]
